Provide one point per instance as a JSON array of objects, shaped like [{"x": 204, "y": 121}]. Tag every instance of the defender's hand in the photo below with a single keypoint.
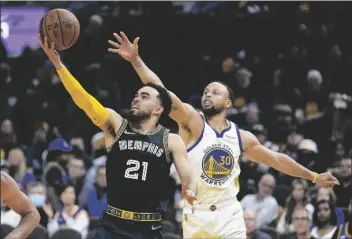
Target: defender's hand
[
  {"x": 190, "y": 197},
  {"x": 327, "y": 180},
  {"x": 50, "y": 52},
  {"x": 123, "y": 47}
]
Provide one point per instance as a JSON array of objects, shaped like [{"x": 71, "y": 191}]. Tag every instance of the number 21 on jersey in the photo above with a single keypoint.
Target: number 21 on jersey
[{"x": 134, "y": 166}]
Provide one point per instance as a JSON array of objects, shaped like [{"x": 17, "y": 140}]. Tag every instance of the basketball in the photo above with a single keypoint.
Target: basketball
[{"x": 60, "y": 26}]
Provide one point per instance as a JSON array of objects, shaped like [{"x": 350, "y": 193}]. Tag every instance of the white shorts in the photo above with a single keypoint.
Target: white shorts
[{"x": 223, "y": 220}]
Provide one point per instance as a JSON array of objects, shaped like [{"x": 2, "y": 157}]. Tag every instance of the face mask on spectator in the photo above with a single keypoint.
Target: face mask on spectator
[{"x": 37, "y": 199}]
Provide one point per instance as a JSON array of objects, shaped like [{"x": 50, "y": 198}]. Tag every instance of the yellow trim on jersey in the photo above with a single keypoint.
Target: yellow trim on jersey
[
  {"x": 237, "y": 183},
  {"x": 118, "y": 134},
  {"x": 346, "y": 230},
  {"x": 153, "y": 132},
  {"x": 133, "y": 216}
]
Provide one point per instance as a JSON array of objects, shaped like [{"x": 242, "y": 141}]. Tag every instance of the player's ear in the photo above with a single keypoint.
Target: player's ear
[
  {"x": 228, "y": 104},
  {"x": 159, "y": 110}
]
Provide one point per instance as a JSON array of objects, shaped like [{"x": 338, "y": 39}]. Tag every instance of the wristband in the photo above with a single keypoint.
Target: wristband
[{"x": 315, "y": 177}]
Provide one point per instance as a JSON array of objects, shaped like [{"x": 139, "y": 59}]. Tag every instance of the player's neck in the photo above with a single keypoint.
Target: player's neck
[
  {"x": 144, "y": 126},
  {"x": 217, "y": 122}
]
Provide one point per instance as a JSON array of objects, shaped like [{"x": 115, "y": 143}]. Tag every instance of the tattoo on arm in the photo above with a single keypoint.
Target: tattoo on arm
[
  {"x": 111, "y": 130},
  {"x": 137, "y": 64},
  {"x": 174, "y": 107}
]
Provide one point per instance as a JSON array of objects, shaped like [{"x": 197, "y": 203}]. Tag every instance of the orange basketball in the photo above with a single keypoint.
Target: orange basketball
[{"x": 60, "y": 26}]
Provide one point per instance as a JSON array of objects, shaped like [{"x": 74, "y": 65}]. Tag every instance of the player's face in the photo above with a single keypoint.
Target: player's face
[
  {"x": 215, "y": 99},
  {"x": 145, "y": 104},
  {"x": 68, "y": 196}
]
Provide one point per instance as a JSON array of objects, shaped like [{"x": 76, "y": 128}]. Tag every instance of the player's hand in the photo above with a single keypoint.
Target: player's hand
[
  {"x": 50, "y": 51},
  {"x": 123, "y": 47},
  {"x": 327, "y": 180},
  {"x": 190, "y": 197}
]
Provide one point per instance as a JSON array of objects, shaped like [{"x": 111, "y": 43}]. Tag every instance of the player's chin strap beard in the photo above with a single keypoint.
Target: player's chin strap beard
[{"x": 211, "y": 112}]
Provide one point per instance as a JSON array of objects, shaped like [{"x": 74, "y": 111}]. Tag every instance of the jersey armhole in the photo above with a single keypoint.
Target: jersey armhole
[
  {"x": 118, "y": 134},
  {"x": 239, "y": 139},
  {"x": 166, "y": 145},
  {"x": 200, "y": 136}
]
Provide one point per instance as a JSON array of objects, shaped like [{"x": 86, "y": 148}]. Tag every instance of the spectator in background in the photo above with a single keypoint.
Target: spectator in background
[
  {"x": 76, "y": 172},
  {"x": 252, "y": 230},
  {"x": 4, "y": 167},
  {"x": 39, "y": 145},
  {"x": 37, "y": 194},
  {"x": 99, "y": 155},
  {"x": 18, "y": 168},
  {"x": 55, "y": 171},
  {"x": 9, "y": 217},
  {"x": 345, "y": 230},
  {"x": 302, "y": 223},
  {"x": 70, "y": 216},
  {"x": 8, "y": 137},
  {"x": 344, "y": 191},
  {"x": 78, "y": 142},
  {"x": 298, "y": 198},
  {"x": 329, "y": 195},
  {"x": 263, "y": 202},
  {"x": 97, "y": 197},
  {"x": 325, "y": 220}
]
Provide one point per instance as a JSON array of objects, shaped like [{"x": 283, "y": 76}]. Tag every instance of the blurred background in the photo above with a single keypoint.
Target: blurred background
[{"x": 288, "y": 63}]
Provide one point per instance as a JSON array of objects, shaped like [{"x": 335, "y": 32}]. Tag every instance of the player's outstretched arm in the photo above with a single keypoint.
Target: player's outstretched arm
[
  {"x": 183, "y": 114},
  {"x": 18, "y": 202},
  {"x": 179, "y": 154},
  {"x": 258, "y": 153},
  {"x": 102, "y": 117}
]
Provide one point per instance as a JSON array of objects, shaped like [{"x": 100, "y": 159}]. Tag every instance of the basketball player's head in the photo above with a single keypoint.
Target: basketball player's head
[
  {"x": 217, "y": 98},
  {"x": 150, "y": 101}
]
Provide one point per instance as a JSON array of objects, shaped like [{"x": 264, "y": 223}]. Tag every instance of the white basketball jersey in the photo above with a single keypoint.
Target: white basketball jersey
[{"x": 214, "y": 160}]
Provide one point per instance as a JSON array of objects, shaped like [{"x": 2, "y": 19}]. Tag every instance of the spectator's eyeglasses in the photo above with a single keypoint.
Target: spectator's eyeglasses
[{"x": 300, "y": 219}]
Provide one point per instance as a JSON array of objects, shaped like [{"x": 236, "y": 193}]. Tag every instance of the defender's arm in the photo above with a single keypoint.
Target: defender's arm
[
  {"x": 19, "y": 203},
  {"x": 281, "y": 162}
]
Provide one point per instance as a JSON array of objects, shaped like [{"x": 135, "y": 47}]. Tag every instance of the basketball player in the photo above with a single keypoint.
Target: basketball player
[
  {"x": 19, "y": 203},
  {"x": 214, "y": 147},
  {"x": 140, "y": 153}
]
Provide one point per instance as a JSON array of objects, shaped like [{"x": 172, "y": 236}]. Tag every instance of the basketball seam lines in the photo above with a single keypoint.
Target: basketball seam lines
[
  {"x": 62, "y": 33},
  {"x": 74, "y": 29}
]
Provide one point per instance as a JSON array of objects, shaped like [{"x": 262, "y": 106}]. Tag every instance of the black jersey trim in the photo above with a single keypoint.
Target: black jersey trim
[
  {"x": 118, "y": 134},
  {"x": 166, "y": 145}
]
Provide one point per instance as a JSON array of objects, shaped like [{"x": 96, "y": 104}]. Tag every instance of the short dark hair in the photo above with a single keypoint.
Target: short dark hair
[
  {"x": 164, "y": 97},
  {"x": 229, "y": 90},
  {"x": 63, "y": 187},
  {"x": 333, "y": 217}
]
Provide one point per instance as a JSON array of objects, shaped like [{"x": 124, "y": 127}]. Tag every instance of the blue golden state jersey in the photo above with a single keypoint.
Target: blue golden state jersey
[{"x": 214, "y": 159}]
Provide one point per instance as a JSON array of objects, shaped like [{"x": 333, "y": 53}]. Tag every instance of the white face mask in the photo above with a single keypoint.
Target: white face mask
[{"x": 37, "y": 199}]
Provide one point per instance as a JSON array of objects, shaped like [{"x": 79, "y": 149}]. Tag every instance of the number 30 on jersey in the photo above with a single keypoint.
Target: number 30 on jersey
[{"x": 133, "y": 168}]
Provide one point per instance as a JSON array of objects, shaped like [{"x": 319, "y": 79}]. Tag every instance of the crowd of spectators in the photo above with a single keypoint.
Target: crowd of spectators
[{"x": 289, "y": 65}]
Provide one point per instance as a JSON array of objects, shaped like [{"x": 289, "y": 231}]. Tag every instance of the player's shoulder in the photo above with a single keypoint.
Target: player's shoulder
[
  {"x": 175, "y": 142},
  {"x": 4, "y": 177},
  {"x": 174, "y": 138},
  {"x": 248, "y": 139},
  {"x": 7, "y": 182}
]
